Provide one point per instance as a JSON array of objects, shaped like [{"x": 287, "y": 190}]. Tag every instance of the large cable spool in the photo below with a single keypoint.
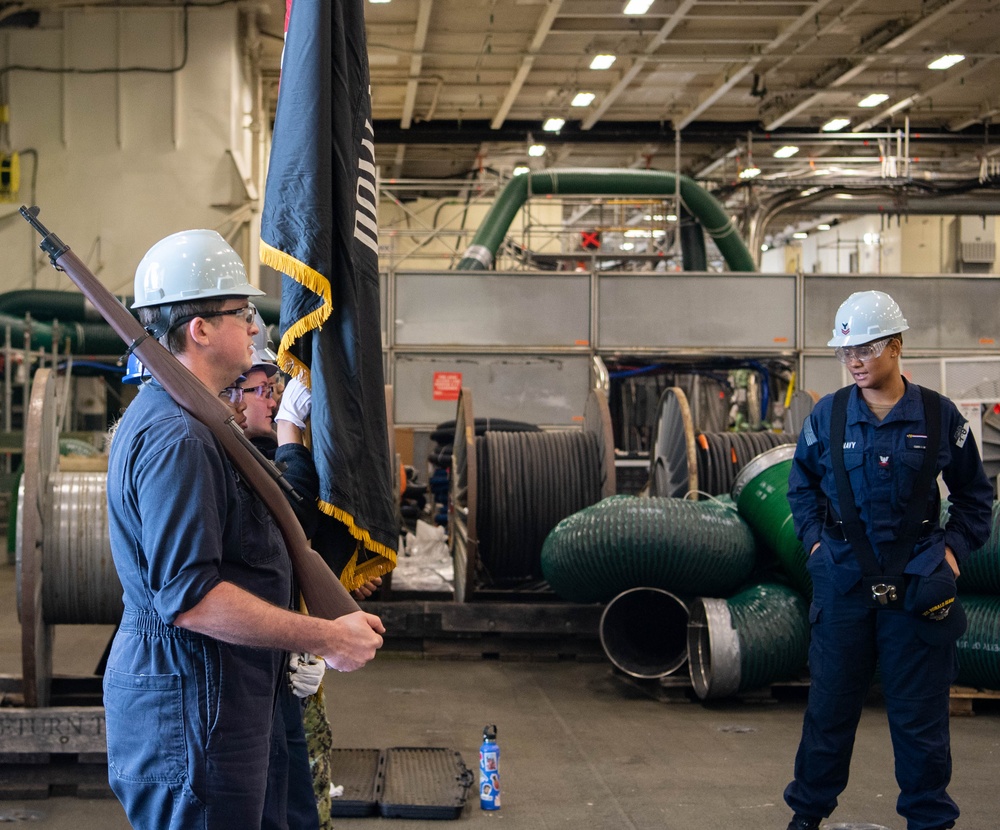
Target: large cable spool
[
  {"x": 761, "y": 495},
  {"x": 643, "y": 632},
  {"x": 979, "y": 647},
  {"x": 685, "y": 462},
  {"x": 65, "y": 573},
  {"x": 80, "y": 584},
  {"x": 757, "y": 637},
  {"x": 509, "y": 489},
  {"x": 687, "y": 547},
  {"x": 40, "y": 442}
]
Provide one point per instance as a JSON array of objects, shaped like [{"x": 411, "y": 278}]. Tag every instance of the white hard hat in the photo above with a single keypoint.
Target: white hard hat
[
  {"x": 190, "y": 265},
  {"x": 866, "y": 316},
  {"x": 264, "y": 357}
]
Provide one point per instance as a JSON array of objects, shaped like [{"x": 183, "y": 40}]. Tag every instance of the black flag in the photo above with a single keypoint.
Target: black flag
[{"x": 319, "y": 229}]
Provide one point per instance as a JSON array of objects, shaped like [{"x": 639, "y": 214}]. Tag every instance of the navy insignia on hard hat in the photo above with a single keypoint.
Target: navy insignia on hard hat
[{"x": 845, "y": 328}]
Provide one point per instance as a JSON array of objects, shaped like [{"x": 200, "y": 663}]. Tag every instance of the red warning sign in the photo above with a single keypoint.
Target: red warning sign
[{"x": 447, "y": 385}]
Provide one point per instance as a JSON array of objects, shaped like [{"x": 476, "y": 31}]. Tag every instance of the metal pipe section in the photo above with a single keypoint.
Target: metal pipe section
[
  {"x": 757, "y": 637},
  {"x": 83, "y": 338},
  {"x": 480, "y": 254},
  {"x": 643, "y": 632},
  {"x": 689, "y": 547}
]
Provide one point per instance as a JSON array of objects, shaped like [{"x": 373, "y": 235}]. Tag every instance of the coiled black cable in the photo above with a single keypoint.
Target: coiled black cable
[
  {"x": 721, "y": 455},
  {"x": 527, "y": 483}
]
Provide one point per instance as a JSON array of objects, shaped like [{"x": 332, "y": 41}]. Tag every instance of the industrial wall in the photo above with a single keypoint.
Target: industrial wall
[{"x": 125, "y": 157}]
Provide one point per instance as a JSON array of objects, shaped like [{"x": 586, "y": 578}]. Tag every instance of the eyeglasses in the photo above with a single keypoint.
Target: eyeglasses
[
  {"x": 233, "y": 394},
  {"x": 249, "y": 311},
  {"x": 264, "y": 390},
  {"x": 865, "y": 352}
]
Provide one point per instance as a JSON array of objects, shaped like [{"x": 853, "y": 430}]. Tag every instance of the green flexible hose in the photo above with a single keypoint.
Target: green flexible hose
[{"x": 979, "y": 647}]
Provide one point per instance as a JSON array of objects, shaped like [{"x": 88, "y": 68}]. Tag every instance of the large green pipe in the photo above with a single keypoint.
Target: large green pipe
[
  {"x": 686, "y": 547},
  {"x": 758, "y": 637},
  {"x": 979, "y": 647},
  {"x": 709, "y": 211},
  {"x": 980, "y": 571},
  {"x": 79, "y": 321},
  {"x": 84, "y": 338}
]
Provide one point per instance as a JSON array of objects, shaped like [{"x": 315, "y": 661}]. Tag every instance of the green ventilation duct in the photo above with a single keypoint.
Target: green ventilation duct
[
  {"x": 622, "y": 542},
  {"x": 980, "y": 571},
  {"x": 699, "y": 202},
  {"x": 979, "y": 647},
  {"x": 761, "y": 495},
  {"x": 757, "y": 637}
]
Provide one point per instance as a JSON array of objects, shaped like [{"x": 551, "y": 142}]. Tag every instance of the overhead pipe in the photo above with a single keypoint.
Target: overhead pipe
[
  {"x": 83, "y": 338},
  {"x": 60, "y": 316},
  {"x": 480, "y": 255}
]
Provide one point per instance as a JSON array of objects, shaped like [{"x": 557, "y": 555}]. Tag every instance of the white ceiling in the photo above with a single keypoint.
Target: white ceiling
[{"x": 464, "y": 85}]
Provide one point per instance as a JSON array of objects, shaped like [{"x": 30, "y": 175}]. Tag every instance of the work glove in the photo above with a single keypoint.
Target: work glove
[
  {"x": 305, "y": 673},
  {"x": 296, "y": 404}
]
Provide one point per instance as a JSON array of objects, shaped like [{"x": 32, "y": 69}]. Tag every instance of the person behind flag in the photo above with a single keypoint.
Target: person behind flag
[
  {"x": 865, "y": 502},
  {"x": 193, "y": 672}
]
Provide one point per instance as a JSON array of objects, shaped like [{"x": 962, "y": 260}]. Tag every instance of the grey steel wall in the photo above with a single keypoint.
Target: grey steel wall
[{"x": 524, "y": 342}]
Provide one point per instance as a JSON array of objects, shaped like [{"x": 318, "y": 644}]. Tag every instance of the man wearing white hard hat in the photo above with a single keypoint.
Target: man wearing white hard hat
[
  {"x": 866, "y": 505},
  {"x": 193, "y": 672}
]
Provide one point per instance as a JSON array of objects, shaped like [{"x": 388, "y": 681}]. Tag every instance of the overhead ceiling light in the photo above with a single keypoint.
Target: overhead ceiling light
[
  {"x": 786, "y": 152},
  {"x": 582, "y": 99},
  {"x": 946, "y": 61},
  {"x": 627, "y": 246},
  {"x": 602, "y": 61},
  {"x": 764, "y": 246},
  {"x": 823, "y": 226},
  {"x": 800, "y": 235},
  {"x": 835, "y": 124},
  {"x": 671, "y": 217},
  {"x": 749, "y": 172},
  {"x": 536, "y": 150},
  {"x": 521, "y": 169},
  {"x": 553, "y": 125},
  {"x": 637, "y": 6},
  {"x": 873, "y": 100},
  {"x": 379, "y": 1}
]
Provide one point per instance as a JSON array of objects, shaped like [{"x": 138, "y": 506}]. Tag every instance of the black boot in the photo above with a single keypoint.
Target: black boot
[{"x": 804, "y": 823}]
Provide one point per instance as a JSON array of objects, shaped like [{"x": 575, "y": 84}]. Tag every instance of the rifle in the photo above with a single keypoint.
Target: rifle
[{"x": 324, "y": 594}]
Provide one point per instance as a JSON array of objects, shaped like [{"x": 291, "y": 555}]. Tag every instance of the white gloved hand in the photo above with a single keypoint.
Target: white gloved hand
[
  {"x": 305, "y": 673},
  {"x": 296, "y": 404}
]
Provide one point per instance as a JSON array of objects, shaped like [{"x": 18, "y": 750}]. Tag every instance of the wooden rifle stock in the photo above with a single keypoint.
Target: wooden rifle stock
[{"x": 324, "y": 594}]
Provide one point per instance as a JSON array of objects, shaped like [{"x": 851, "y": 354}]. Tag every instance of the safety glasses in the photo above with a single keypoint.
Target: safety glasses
[
  {"x": 264, "y": 390},
  {"x": 245, "y": 313},
  {"x": 865, "y": 352},
  {"x": 233, "y": 394},
  {"x": 248, "y": 312}
]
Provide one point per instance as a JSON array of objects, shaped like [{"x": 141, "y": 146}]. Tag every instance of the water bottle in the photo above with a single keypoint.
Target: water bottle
[{"x": 489, "y": 770}]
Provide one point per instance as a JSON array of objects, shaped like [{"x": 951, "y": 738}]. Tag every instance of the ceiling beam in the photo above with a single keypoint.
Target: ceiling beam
[
  {"x": 548, "y": 18},
  {"x": 728, "y": 80},
  {"x": 926, "y": 92},
  {"x": 867, "y": 60},
  {"x": 665, "y": 31},
  {"x": 416, "y": 60}
]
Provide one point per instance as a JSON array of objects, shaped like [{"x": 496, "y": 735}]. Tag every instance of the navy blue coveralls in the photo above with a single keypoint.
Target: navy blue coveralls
[
  {"x": 188, "y": 717},
  {"x": 849, "y": 636},
  {"x": 290, "y": 802}
]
